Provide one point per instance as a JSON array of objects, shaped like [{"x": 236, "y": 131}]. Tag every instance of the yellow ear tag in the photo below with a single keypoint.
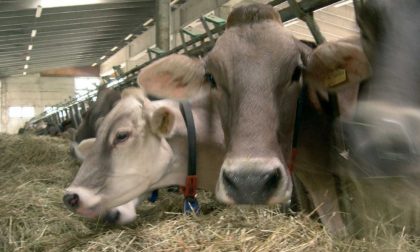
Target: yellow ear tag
[{"x": 335, "y": 78}]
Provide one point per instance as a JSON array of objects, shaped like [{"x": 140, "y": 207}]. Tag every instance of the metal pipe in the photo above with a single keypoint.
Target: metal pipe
[
  {"x": 162, "y": 18},
  {"x": 306, "y": 6},
  {"x": 308, "y": 18}
]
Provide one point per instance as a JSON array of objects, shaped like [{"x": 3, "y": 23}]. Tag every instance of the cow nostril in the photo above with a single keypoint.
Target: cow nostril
[
  {"x": 71, "y": 200},
  {"x": 228, "y": 181},
  {"x": 272, "y": 179},
  {"x": 112, "y": 217}
]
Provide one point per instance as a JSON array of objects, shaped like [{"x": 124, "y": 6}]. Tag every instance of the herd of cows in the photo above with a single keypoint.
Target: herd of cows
[{"x": 270, "y": 113}]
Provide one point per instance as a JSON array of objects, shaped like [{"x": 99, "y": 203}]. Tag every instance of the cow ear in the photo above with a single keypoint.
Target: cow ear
[
  {"x": 175, "y": 76},
  {"x": 334, "y": 64},
  {"x": 98, "y": 122},
  {"x": 162, "y": 121},
  {"x": 83, "y": 149}
]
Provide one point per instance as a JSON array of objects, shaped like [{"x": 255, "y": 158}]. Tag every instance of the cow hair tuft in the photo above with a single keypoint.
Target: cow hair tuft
[{"x": 252, "y": 14}]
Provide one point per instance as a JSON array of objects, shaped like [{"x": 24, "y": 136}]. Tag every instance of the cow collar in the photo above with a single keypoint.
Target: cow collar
[
  {"x": 330, "y": 106},
  {"x": 298, "y": 121},
  {"x": 190, "y": 189}
]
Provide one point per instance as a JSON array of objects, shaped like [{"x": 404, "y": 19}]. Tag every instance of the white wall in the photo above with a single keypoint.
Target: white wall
[{"x": 31, "y": 90}]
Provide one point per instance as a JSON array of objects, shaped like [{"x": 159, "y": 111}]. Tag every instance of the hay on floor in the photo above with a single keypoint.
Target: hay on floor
[{"x": 35, "y": 170}]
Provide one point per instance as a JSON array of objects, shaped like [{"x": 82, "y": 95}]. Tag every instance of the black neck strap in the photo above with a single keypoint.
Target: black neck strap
[
  {"x": 186, "y": 112},
  {"x": 190, "y": 189}
]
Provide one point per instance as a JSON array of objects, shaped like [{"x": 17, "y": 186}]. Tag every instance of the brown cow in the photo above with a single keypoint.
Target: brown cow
[{"x": 255, "y": 70}]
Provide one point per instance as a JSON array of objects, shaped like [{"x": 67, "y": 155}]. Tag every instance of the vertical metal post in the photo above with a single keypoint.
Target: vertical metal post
[
  {"x": 162, "y": 19},
  {"x": 207, "y": 29},
  {"x": 69, "y": 114},
  {"x": 83, "y": 109},
  {"x": 78, "y": 118},
  {"x": 61, "y": 115},
  {"x": 56, "y": 118},
  {"x": 78, "y": 114},
  {"x": 308, "y": 18}
]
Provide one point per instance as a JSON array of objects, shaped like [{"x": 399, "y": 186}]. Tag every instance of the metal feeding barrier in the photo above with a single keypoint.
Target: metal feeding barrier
[{"x": 194, "y": 43}]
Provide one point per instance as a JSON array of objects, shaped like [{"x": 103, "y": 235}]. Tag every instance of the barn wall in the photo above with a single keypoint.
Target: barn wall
[{"x": 31, "y": 90}]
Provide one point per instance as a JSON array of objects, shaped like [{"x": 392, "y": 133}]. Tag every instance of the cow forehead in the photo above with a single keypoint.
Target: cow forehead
[
  {"x": 266, "y": 42},
  {"x": 127, "y": 110}
]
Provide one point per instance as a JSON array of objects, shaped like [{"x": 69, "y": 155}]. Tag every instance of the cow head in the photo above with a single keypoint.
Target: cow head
[
  {"x": 388, "y": 118},
  {"x": 253, "y": 75},
  {"x": 129, "y": 156}
]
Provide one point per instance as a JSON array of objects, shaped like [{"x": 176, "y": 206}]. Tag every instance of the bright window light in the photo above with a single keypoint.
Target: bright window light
[
  {"x": 82, "y": 85},
  {"x": 148, "y": 22},
  {"x": 114, "y": 48},
  {"x": 38, "y": 11},
  {"x": 25, "y": 66},
  {"x": 33, "y": 33},
  {"x": 62, "y": 3},
  {"x": 342, "y": 3},
  {"x": 94, "y": 64},
  {"x": 291, "y": 22},
  {"x": 103, "y": 57},
  {"x": 128, "y": 36},
  {"x": 21, "y": 112},
  {"x": 28, "y": 58},
  {"x": 49, "y": 108},
  {"x": 30, "y": 47}
]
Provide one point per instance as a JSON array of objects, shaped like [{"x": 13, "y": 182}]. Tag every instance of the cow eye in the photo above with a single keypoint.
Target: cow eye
[
  {"x": 209, "y": 77},
  {"x": 121, "y": 137},
  {"x": 296, "y": 74}
]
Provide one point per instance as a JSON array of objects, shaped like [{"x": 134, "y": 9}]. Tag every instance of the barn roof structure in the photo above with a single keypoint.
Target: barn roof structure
[
  {"x": 41, "y": 34},
  {"x": 37, "y": 35}
]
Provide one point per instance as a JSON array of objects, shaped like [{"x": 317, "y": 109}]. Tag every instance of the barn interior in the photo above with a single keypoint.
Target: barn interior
[
  {"x": 56, "y": 52},
  {"x": 53, "y": 57}
]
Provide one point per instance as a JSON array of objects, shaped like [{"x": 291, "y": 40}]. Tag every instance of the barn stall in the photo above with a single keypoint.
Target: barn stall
[{"x": 36, "y": 169}]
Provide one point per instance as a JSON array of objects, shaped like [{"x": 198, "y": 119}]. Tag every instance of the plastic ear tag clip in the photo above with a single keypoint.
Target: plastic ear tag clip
[{"x": 335, "y": 78}]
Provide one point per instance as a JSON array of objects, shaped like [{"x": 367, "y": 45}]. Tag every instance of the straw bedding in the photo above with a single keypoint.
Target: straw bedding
[{"x": 35, "y": 170}]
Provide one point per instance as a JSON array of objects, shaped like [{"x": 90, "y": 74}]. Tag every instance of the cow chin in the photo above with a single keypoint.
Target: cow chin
[{"x": 253, "y": 181}]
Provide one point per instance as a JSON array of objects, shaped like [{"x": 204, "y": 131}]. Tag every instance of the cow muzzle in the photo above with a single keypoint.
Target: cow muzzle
[
  {"x": 253, "y": 181},
  {"x": 82, "y": 201}
]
